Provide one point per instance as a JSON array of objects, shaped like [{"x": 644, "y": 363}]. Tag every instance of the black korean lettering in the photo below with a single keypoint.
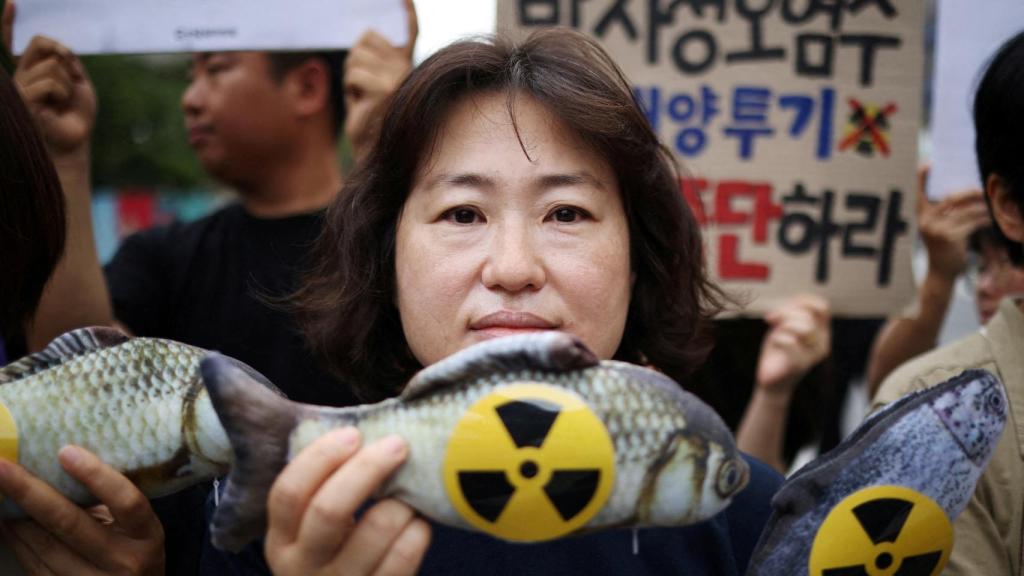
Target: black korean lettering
[
  {"x": 574, "y": 14},
  {"x": 698, "y": 6},
  {"x": 538, "y": 12},
  {"x": 658, "y": 19},
  {"x": 682, "y": 52},
  {"x": 884, "y": 6},
  {"x": 757, "y": 51},
  {"x": 809, "y": 232},
  {"x": 789, "y": 10},
  {"x": 869, "y": 44},
  {"x": 811, "y": 65},
  {"x": 869, "y": 205},
  {"x": 615, "y": 15},
  {"x": 828, "y": 229},
  {"x": 895, "y": 226},
  {"x": 798, "y": 231}
]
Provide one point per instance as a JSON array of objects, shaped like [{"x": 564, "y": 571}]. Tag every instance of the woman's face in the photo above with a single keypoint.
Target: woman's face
[{"x": 492, "y": 243}]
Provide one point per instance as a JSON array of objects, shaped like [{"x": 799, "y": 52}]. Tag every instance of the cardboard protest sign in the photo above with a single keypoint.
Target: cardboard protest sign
[
  {"x": 966, "y": 38},
  {"x": 149, "y": 26},
  {"x": 796, "y": 121}
]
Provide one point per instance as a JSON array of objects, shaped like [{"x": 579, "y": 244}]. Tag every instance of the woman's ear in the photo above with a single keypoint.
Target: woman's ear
[{"x": 1005, "y": 208}]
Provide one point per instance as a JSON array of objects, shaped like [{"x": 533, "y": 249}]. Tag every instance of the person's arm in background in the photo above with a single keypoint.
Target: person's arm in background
[
  {"x": 944, "y": 227},
  {"x": 799, "y": 337},
  {"x": 121, "y": 535},
  {"x": 54, "y": 85},
  {"x": 373, "y": 70}
]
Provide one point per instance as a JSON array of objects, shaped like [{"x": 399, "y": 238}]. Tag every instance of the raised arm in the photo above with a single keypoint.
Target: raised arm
[
  {"x": 944, "y": 227},
  {"x": 62, "y": 101},
  {"x": 799, "y": 337},
  {"x": 373, "y": 70}
]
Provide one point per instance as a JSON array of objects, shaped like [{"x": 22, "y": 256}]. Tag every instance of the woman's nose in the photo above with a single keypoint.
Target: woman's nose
[{"x": 513, "y": 262}]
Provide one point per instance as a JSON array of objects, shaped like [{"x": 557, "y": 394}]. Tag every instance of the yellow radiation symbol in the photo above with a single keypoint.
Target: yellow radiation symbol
[
  {"x": 883, "y": 531},
  {"x": 529, "y": 462},
  {"x": 8, "y": 435}
]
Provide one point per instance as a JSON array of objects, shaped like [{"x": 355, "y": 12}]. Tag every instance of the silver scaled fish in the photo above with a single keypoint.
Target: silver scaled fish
[
  {"x": 936, "y": 442},
  {"x": 138, "y": 403},
  {"x": 527, "y": 438}
]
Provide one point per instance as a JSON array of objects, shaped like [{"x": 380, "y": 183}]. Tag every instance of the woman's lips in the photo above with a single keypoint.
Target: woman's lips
[{"x": 506, "y": 323}]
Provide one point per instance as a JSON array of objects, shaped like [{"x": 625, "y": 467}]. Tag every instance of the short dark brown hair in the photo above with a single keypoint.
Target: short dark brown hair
[
  {"x": 281, "y": 63},
  {"x": 31, "y": 212},
  {"x": 998, "y": 124},
  {"x": 347, "y": 307}
]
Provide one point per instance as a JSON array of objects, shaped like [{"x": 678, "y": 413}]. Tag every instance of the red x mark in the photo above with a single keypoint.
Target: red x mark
[{"x": 868, "y": 125}]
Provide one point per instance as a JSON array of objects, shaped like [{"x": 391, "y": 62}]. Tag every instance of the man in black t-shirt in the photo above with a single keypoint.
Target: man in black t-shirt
[{"x": 267, "y": 126}]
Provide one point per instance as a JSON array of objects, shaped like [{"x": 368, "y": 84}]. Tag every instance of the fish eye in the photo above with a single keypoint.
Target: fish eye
[
  {"x": 728, "y": 479},
  {"x": 995, "y": 402}
]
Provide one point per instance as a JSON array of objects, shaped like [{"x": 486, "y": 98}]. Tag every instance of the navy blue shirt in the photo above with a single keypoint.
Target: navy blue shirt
[{"x": 719, "y": 546}]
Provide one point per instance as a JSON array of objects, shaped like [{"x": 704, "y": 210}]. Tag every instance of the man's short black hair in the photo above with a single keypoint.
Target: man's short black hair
[
  {"x": 282, "y": 62},
  {"x": 999, "y": 126}
]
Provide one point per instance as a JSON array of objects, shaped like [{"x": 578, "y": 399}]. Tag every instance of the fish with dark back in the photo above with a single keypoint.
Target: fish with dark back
[
  {"x": 936, "y": 442},
  {"x": 138, "y": 403},
  {"x": 671, "y": 459},
  {"x": 141, "y": 405}
]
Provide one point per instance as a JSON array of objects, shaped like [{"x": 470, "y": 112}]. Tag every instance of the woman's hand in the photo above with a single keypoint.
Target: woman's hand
[
  {"x": 121, "y": 536},
  {"x": 59, "y": 95},
  {"x": 312, "y": 505},
  {"x": 945, "y": 226},
  {"x": 373, "y": 71},
  {"x": 798, "y": 338}
]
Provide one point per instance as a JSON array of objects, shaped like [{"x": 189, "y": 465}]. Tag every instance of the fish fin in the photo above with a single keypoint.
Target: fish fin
[
  {"x": 797, "y": 498},
  {"x": 255, "y": 375},
  {"x": 258, "y": 423},
  {"x": 542, "y": 351},
  {"x": 63, "y": 347}
]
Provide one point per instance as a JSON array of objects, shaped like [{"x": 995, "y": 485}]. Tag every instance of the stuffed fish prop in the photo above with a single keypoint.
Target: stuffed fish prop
[
  {"x": 884, "y": 498},
  {"x": 138, "y": 403},
  {"x": 527, "y": 438}
]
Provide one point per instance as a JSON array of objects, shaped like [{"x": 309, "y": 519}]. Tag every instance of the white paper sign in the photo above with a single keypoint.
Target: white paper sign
[
  {"x": 969, "y": 33},
  {"x": 154, "y": 26}
]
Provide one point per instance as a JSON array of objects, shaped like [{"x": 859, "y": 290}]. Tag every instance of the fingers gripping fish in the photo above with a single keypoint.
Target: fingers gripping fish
[
  {"x": 672, "y": 460},
  {"x": 138, "y": 403}
]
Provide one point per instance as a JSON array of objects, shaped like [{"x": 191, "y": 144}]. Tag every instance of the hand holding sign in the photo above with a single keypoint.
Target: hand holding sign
[
  {"x": 945, "y": 226},
  {"x": 373, "y": 70},
  {"x": 55, "y": 87},
  {"x": 56, "y": 90}
]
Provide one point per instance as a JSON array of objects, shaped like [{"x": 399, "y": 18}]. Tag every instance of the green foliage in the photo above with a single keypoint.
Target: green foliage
[{"x": 140, "y": 137}]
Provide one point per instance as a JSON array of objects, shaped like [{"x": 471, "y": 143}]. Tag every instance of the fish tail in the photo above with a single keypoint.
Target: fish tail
[{"x": 258, "y": 423}]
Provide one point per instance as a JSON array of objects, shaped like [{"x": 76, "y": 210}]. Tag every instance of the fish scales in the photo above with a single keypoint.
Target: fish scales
[
  {"x": 671, "y": 452},
  {"x": 138, "y": 403},
  {"x": 427, "y": 427},
  {"x": 935, "y": 442}
]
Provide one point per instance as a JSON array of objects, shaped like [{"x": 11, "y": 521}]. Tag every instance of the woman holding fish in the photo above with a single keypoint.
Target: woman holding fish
[{"x": 513, "y": 189}]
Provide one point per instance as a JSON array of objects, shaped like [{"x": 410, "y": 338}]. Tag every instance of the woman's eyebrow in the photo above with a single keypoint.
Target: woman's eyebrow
[
  {"x": 464, "y": 180},
  {"x": 543, "y": 182},
  {"x": 581, "y": 178}
]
